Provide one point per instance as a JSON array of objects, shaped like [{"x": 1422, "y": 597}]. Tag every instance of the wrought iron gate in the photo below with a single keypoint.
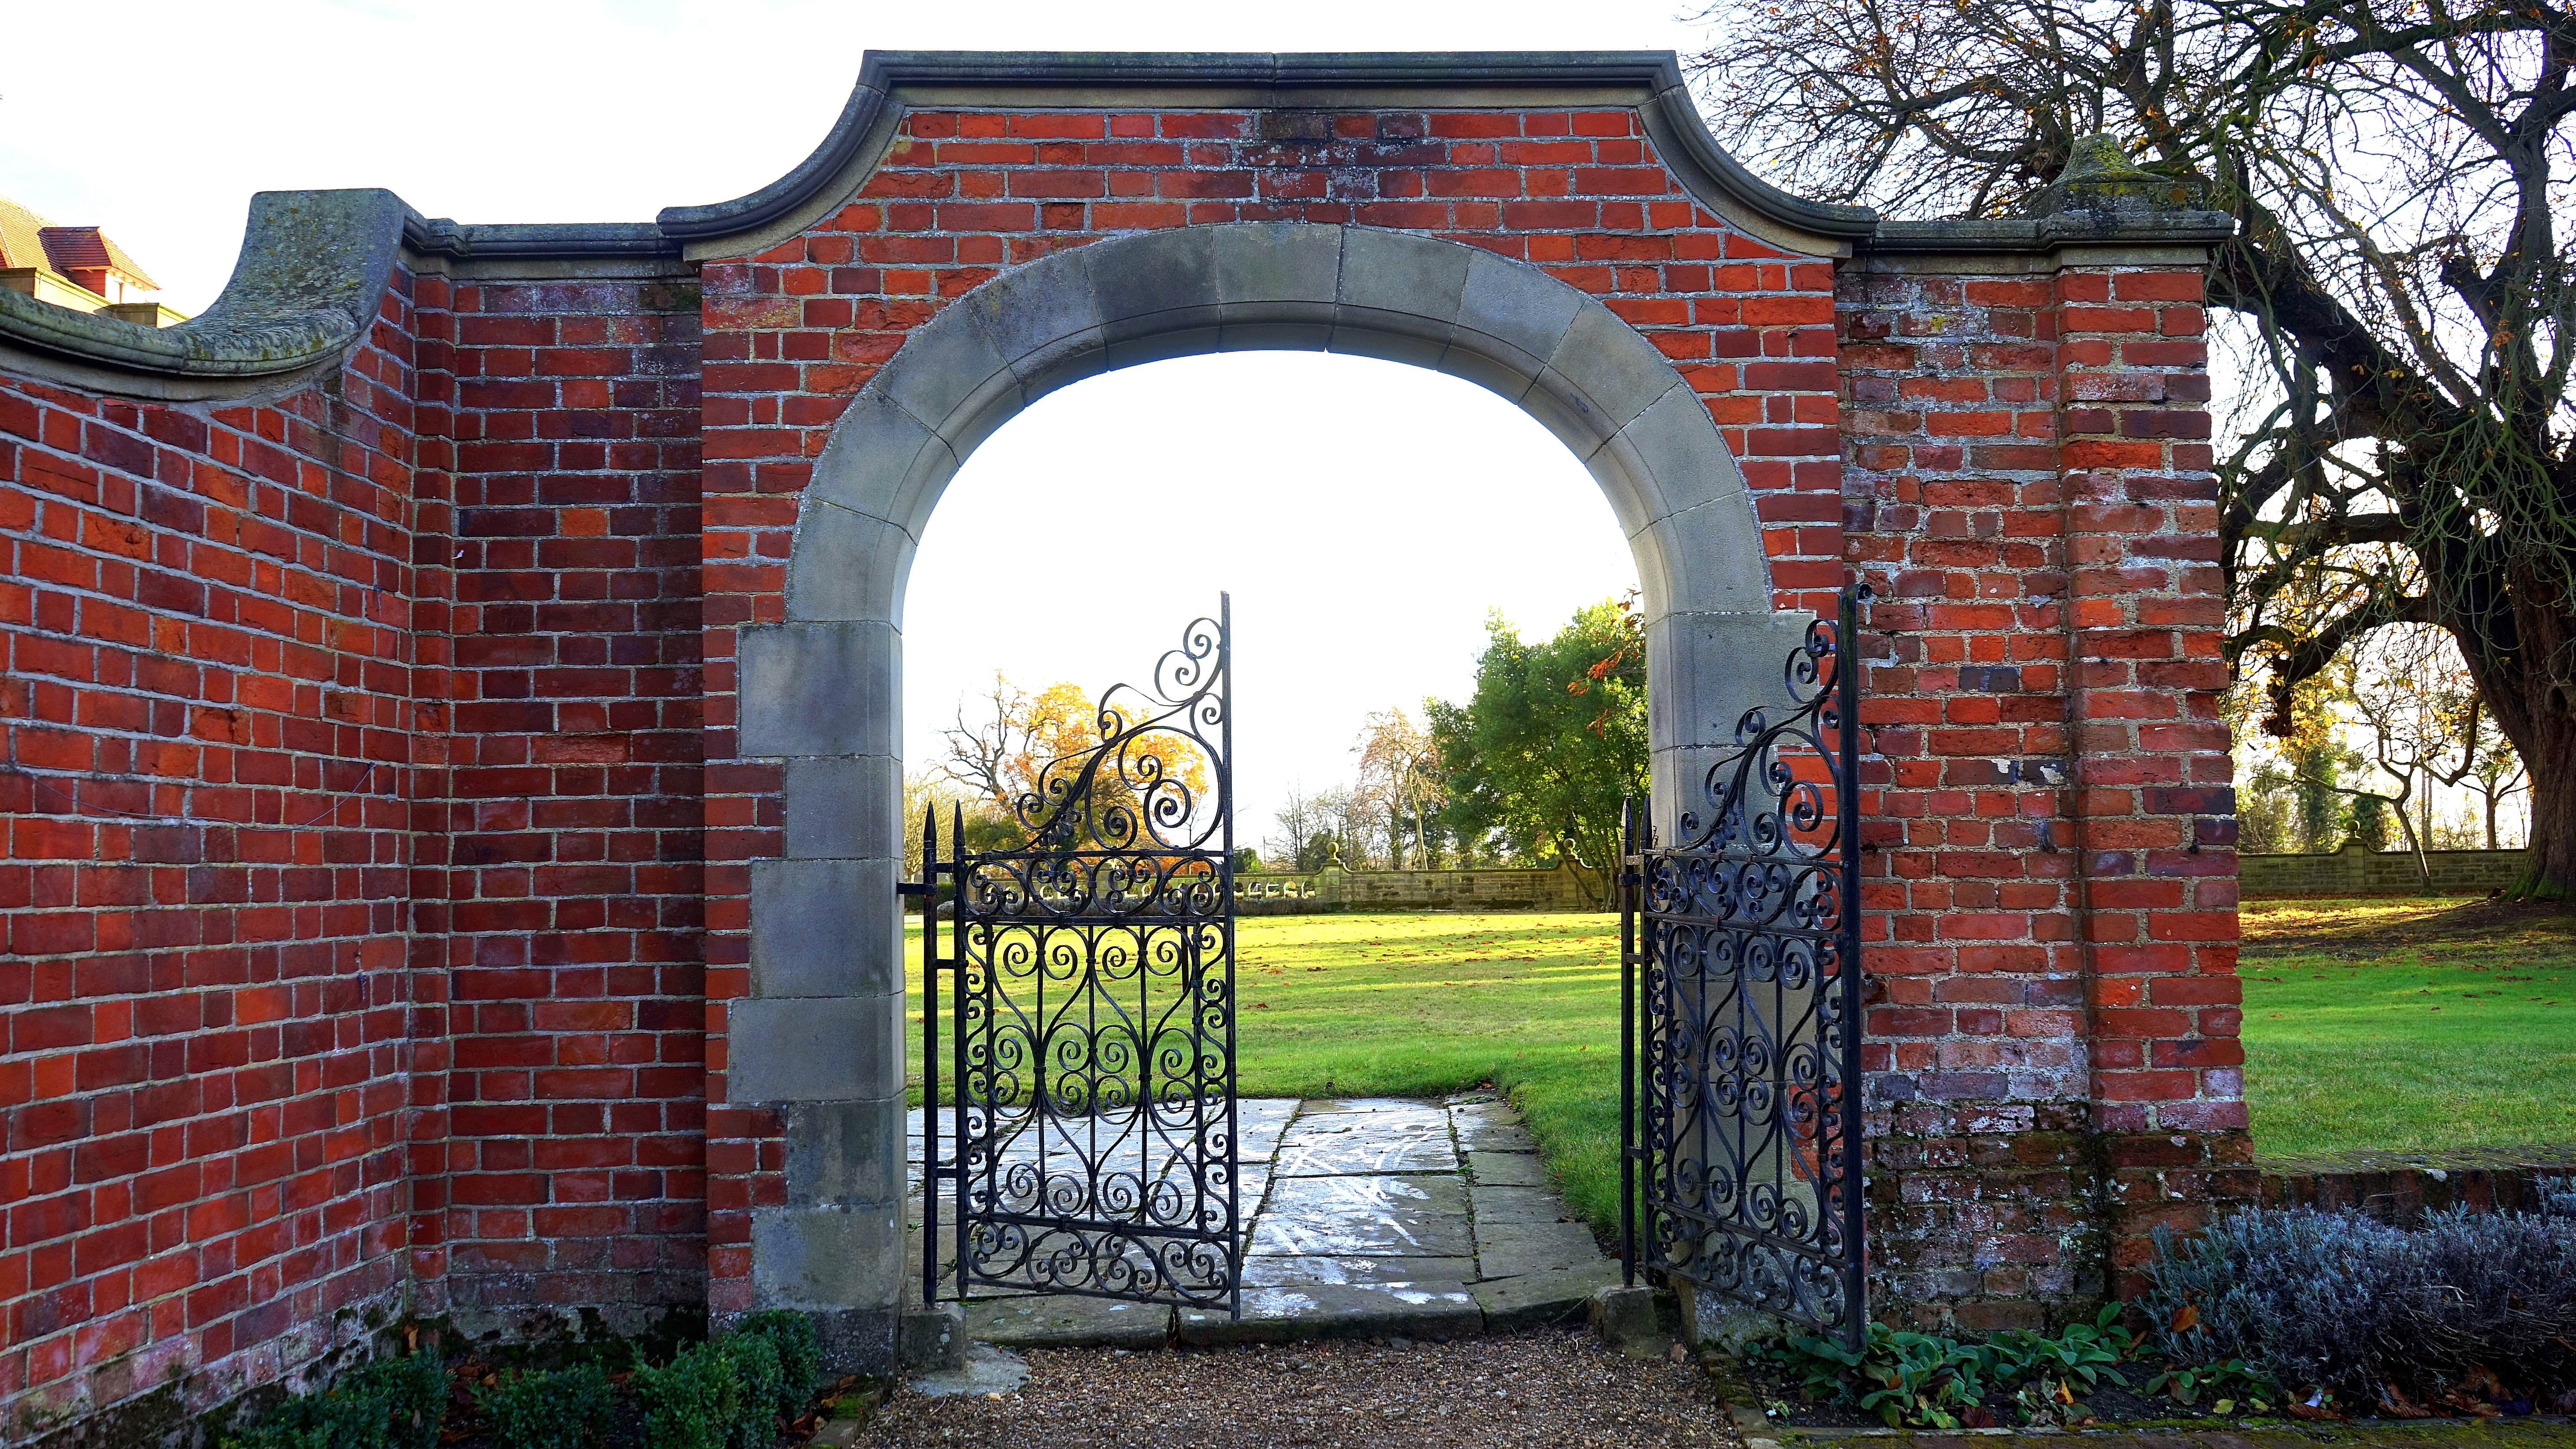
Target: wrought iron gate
[
  {"x": 1090, "y": 1147},
  {"x": 1741, "y": 990}
]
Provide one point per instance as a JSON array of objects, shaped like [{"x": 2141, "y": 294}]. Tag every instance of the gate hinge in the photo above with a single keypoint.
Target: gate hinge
[{"x": 912, "y": 887}]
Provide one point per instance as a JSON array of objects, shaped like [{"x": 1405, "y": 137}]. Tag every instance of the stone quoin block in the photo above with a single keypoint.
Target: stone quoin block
[
  {"x": 805, "y": 942},
  {"x": 814, "y": 1048},
  {"x": 847, "y": 809},
  {"x": 822, "y": 689}
]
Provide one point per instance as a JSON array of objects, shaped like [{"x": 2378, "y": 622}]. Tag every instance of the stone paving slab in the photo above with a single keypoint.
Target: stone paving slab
[
  {"x": 1347, "y": 1310},
  {"x": 1508, "y": 1250},
  {"x": 1049, "y": 1320},
  {"x": 1506, "y": 1169},
  {"x": 1492, "y": 1127},
  {"x": 1263, "y": 1271},
  {"x": 1413, "y": 1137},
  {"x": 1534, "y": 1299},
  {"x": 1497, "y": 1203},
  {"x": 1365, "y": 1217}
]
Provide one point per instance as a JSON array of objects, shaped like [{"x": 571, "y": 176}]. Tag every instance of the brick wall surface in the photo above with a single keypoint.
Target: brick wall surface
[
  {"x": 378, "y": 844},
  {"x": 2052, "y": 880},
  {"x": 559, "y": 1156},
  {"x": 213, "y": 730}
]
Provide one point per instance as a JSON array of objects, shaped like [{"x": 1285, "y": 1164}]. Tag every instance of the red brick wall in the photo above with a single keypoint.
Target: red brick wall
[
  {"x": 792, "y": 333},
  {"x": 362, "y": 763},
  {"x": 2052, "y": 878},
  {"x": 212, "y": 729},
  {"x": 2154, "y": 809},
  {"x": 351, "y": 884},
  {"x": 560, "y": 1155}
]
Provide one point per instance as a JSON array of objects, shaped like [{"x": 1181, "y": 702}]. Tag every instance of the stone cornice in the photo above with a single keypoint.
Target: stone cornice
[{"x": 1650, "y": 81}]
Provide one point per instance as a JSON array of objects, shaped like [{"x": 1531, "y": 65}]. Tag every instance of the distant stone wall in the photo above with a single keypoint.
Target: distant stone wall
[
  {"x": 2401, "y": 1188},
  {"x": 1281, "y": 893},
  {"x": 2354, "y": 871}
]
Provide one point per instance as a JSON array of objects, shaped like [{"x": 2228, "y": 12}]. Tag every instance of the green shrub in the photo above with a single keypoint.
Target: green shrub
[
  {"x": 2342, "y": 1304},
  {"x": 800, "y": 1357},
  {"x": 691, "y": 1402},
  {"x": 567, "y": 1409},
  {"x": 391, "y": 1403},
  {"x": 411, "y": 1392},
  {"x": 755, "y": 1376},
  {"x": 1928, "y": 1381},
  {"x": 274, "y": 1435}
]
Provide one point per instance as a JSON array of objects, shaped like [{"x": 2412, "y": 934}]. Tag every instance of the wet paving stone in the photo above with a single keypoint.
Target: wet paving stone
[
  {"x": 1337, "y": 1144},
  {"x": 1265, "y": 1271},
  {"x": 1501, "y": 1204},
  {"x": 1361, "y": 1217},
  {"x": 1366, "y": 1216}
]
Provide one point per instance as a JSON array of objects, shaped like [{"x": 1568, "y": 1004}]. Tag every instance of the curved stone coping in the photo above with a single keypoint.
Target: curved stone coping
[
  {"x": 311, "y": 275},
  {"x": 1649, "y": 80},
  {"x": 1508, "y": 326},
  {"x": 308, "y": 284}
]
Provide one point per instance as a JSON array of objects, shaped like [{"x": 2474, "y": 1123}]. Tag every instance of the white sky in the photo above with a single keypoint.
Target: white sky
[{"x": 1364, "y": 515}]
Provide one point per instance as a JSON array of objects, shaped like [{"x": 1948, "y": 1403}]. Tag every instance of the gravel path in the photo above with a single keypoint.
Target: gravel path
[{"x": 1558, "y": 1387}]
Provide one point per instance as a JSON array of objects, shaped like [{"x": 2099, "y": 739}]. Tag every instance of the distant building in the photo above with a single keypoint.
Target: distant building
[{"x": 76, "y": 267}]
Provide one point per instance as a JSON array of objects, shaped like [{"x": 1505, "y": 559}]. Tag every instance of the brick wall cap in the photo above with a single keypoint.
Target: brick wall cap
[
  {"x": 1651, "y": 80},
  {"x": 2035, "y": 234}
]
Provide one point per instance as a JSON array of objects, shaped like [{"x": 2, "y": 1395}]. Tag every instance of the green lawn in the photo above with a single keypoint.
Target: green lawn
[
  {"x": 1417, "y": 1005},
  {"x": 2396, "y": 1024},
  {"x": 2412, "y": 1025}
]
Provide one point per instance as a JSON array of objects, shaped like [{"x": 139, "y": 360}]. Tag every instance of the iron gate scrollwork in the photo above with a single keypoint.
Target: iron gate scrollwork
[
  {"x": 1089, "y": 969},
  {"x": 1742, "y": 1001}
]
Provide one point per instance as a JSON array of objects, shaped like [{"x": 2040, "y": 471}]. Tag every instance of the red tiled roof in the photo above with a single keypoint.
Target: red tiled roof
[
  {"x": 29, "y": 240},
  {"x": 86, "y": 247}
]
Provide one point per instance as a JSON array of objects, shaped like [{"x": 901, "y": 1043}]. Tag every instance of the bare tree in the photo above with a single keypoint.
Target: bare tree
[
  {"x": 2397, "y": 171},
  {"x": 2499, "y": 776},
  {"x": 1300, "y": 821},
  {"x": 1351, "y": 822},
  {"x": 1400, "y": 773},
  {"x": 985, "y": 753}
]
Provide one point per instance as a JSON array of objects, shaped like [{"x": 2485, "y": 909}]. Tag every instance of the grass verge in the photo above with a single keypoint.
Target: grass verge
[
  {"x": 2408, "y": 1025},
  {"x": 2398, "y": 1025}
]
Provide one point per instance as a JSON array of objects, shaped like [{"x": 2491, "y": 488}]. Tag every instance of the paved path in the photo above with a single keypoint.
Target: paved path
[{"x": 1372, "y": 1217}]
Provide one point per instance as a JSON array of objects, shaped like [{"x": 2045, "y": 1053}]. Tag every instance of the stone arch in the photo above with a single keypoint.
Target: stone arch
[{"x": 820, "y": 1033}]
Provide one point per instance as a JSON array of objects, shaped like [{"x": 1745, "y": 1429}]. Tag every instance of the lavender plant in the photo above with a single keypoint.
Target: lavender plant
[{"x": 2344, "y": 1303}]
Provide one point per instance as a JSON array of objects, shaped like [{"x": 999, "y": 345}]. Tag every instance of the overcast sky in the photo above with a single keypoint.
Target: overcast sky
[{"x": 1365, "y": 515}]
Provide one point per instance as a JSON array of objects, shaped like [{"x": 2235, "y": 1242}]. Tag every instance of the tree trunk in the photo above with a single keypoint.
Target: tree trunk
[
  {"x": 2513, "y": 660},
  {"x": 2551, "y": 872}
]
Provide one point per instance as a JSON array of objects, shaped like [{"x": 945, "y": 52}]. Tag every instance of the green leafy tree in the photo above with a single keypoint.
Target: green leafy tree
[{"x": 1552, "y": 742}]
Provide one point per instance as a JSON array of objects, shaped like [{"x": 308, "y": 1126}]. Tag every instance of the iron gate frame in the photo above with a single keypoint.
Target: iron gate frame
[
  {"x": 1105, "y": 878},
  {"x": 1727, "y": 882}
]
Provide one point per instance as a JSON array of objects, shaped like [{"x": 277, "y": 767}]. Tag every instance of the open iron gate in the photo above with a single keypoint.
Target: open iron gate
[
  {"x": 1741, "y": 1003},
  {"x": 1089, "y": 968}
]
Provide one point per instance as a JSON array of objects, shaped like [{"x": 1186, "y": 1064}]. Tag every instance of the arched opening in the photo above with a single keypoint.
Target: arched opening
[{"x": 821, "y": 1032}]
